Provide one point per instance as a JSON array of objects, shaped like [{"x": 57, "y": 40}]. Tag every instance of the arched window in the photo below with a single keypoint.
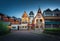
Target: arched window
[{"x": 40, "y": 20}]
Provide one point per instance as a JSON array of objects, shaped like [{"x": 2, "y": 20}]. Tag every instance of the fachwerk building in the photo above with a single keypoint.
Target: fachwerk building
[{"x": 47, "y": 19}]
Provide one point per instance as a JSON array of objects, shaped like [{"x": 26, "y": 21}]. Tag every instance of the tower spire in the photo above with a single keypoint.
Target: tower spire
[{"x": 39, "y": 10}]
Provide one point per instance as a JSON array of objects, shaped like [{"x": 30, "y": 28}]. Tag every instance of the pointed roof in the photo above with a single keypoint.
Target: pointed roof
[
  {"x": 49, "y": 10},
  {"x": 39, "y": 10},
  {"x": 1, "y": 14},
  {"x": 31, "y": 13},
  {"x": 25, "y": 14},
  {"x": 8, "y": 17},
  {"x": 38, "y": 13},
  {"x": 13, "y": 17},
  {"x": 56, "y": 9}
]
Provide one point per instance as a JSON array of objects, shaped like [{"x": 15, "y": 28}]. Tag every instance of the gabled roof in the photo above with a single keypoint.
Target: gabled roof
[
  {"x": 13, "y": 17},
  {"x": 19, "y": 19},
  {"x": 25, "y": 14},
  {"x": 1, "y": 14},
  {"x": 8, "y": 17},
  {"x": 48, "y": 10},
  {"x": 31, "y": 13},
  {"x": 56, "y": 9}
]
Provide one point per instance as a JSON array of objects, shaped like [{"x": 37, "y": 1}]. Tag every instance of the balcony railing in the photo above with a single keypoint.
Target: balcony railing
[
  {"x": 24, "y": 22},
  {"x": 52, "y": 17},
  {"x": 52, "y": 22}
]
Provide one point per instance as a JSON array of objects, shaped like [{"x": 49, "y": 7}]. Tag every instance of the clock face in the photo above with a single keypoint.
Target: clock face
[{"x": 39, "y": 16}]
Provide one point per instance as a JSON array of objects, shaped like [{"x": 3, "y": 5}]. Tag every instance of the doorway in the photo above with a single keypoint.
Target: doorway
[{"x": 18, "y": 27}]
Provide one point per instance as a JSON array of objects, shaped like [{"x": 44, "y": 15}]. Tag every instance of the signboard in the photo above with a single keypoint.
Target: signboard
[{"x": 30, "y": 24}]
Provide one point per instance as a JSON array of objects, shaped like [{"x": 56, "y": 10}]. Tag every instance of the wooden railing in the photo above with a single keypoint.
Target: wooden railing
[{"x": 52, "y": 17}]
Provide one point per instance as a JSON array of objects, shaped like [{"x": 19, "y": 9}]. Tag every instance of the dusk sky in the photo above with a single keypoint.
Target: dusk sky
[{"x": 17, "y": 7}]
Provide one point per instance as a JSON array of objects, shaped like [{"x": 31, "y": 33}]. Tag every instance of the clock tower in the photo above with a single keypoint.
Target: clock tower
[{"x": 39, "y": 20}]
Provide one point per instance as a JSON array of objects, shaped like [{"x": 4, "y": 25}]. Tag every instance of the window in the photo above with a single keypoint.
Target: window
[
  {"x": 48, "y": 20},
  {"x": 25, "y": 26},
  {"x": 57, "y": 14},
  {"x": 55, "y": 25},
  {"x": 13, "y": 27},
  {"x": 36, "y": 20},
  {"x": 40, "y": 20},
  {"x": 48, "y": 14},
  {"x": 47, "y": 25}
]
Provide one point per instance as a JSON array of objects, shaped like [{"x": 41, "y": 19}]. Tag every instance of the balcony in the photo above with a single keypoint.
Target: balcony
[
  {"x": 52, "y": 22},
  {"x": 52, "y": 17},
  {"x": 24, "y": 22}
]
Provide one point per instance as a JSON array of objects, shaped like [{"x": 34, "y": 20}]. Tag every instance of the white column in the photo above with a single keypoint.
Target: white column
[
  {"x": 59, "y": 26},
  {"x": 35, "y": 23},
  {"x": 39, "y": 23},
  {"x": 51, "y": 25}
]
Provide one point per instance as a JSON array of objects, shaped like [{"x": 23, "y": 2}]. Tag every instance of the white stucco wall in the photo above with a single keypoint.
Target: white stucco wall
[{"x": 22, "y": 26}]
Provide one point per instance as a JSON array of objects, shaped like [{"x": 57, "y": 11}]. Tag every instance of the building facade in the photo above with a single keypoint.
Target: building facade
[
  {"x": 39, "y": 20},
  {"x": 47, "y": 19},
  {"x": 25, "y": 21},
  {"x": 52, "y": 18},
  {"x": 31, "y": 15}
]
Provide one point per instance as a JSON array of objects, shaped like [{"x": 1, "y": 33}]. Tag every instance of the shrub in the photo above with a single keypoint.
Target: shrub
[
  {"x": 3, "y": 28},
  {"x": 54, "y": 31}
]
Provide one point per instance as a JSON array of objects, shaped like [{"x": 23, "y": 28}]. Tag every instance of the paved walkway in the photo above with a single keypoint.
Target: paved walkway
[{"x": 27, "y": 36}]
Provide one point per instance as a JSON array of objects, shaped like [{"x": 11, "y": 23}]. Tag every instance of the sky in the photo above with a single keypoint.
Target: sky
[{"x": 17, "y": 7}]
